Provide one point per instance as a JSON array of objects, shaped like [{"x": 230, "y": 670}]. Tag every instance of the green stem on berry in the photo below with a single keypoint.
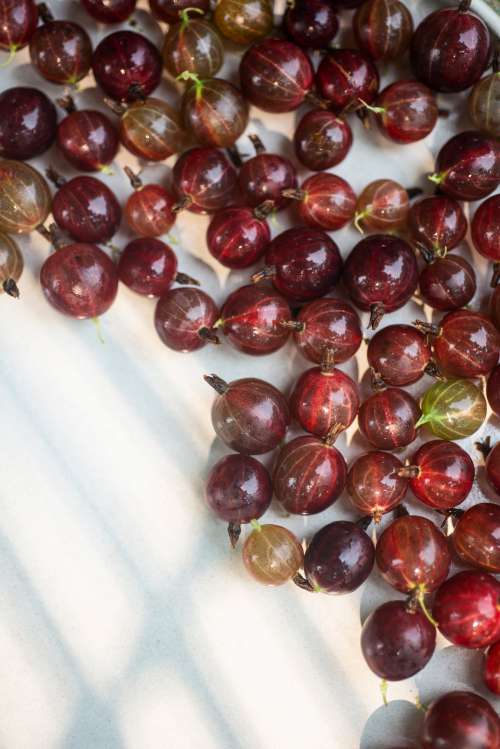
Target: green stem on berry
[
  {"x": 97, "y": 324},
  {"x": 420, "y": 598},
  {"x": 256, "y": 525},
  {"x": 358, "y": 217},
  {"x": 383, "y": 691},
  {"x": 437, "y": 177},
  {"x": 196, "y": 80},
  {"x": 184, "y": 16},
  {"x": 10, "y": 56},
  {"x": 375, "y": 110}
]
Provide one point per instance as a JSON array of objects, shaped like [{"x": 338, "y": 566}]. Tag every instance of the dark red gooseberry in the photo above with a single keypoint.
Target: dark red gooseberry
[
  {"x": 405, "y": 111},
  {"x": 461, "y": 720},
  {"x": 327, "y": 324},
  {"x": 493, "y": 390},
  {"x": 441, "y": 474},
  {"x": 347, "y": 79},
  {"x": 340, "y": 4},
  {"x": 252, "y": 317},
  {"x": 381, "y": 275},
  {"x": 276, "y": 75},
  {"x": 86, "y": 209},
  {"x": 204, "y": 180},
  {"x": 375, "y": 484},
  {"x": 399, "y": 355},
  {"x": 493, "y": 468},
  {"x": 127, "y": 66},
  {"x": 383, "y": 29},
  {"x": 311, "y": 23},
  {"x": 447, "y": 283},
  {"x": 468, "y": 166},
  {"x": 265, "y": 177},
  {"x": 491, "y": 669},
  {"x": 184, "y": 319},
  {"x": 467, "y": 611},
  {"x": 18, "y": 23},
  {"x": 149, "y": 211},
  {"x": 109, "y": 11},
  {"x": 79, "y": 280},
  {"x": 383, "y": 205},
  {"x": 152, "y": 130},
  {"x": 322, "y": 140},
  {"x": 325, "y": 201},
  {"x": 495, "y": 307},
  {"x": 450, "y": 49},
  {"x": 147, "y": 266},
  {"x": 397, "y": 641},
  {"x": 485, "y": 231},
  {"x": 61, "y": 51},
  {"x": 192, "y": 46},
  {"x": 436, "y": 224},
  {"x": 476, "y": 537},
  {"x": 170, "y": 10},
  {"x": 88, "y": 140},
  {"x": 238, "y": 237},
  {"x": 214, "y": 111},
  {"x": 339, "y": 558},
  {"x": 388, "y": 419},
  {"x": 28, "y": 123}
]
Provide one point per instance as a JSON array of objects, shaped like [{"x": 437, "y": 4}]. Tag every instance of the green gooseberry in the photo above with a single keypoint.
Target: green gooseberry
[{"x": 453, "y": 409}]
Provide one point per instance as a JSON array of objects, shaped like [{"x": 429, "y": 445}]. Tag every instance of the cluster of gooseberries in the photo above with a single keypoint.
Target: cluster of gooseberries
[{"x": 407, "y": 250}]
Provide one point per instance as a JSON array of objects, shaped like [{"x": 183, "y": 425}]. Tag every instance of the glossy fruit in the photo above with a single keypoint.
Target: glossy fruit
[
  {"x": 24, "y": 198},
  {"x": 11, "y": 266},
  {"x": 485, "y": 230},
  {"x": 204, "y": 180},
  {"x": 249, "y": 415},
  {"x": 276, "y": 75},
  {"x": 383, "y": 29},
  {"x": 325, "y": 201},
  {"x": 184, "y": 319},
  {"x": 484, "y": 104},
  {"x": 450, "y": 49},
  {"x": 468, "y": 166},
  {"x": 79, "y": 280},
  {"x": 399, "y": 355},
  {"x": 448, "y": 283},
  {"x": 28, "y": 123},
  {"x": 170, "y": 10},
  {"x": 381, "y": 275},
  {"x": 476, "y": 537},
  {"x": 88, "y": 140},
  {"x": 244, "y": 21},
  {"x": 453, "y": 409},
  {"x": 110, "y": 11},
  {"x": 382, "y": 206},
  {"x": 388, "y": 419},
  {"x": 309, "y": 475},
  {"x": 491, "y": 669},
  {"x": 147, "y": 266},
  {"x": 322, "y": 140},
  {"x": 467, "y": 611},
  {"x": 311, "y": 23},
  {"x": 339, "y": 558},
  {"x": 397, "y": 642},
  {"x": 127, "y": 66},
  {"x": 405, "y": 111},
  {"x": 347, "y": 79},
  {"x": 493, "y": 468},
  {"x": 61, "y": 51},
  {"x": 252, "y": 317},
  {"x": 237, "y": 237},
  {"x": 375, "y": 485},
  {"x": 441, "y": 474},
  {"x": 493, "y": 390},
  {"x": 265, "y": 177},
  {"x": 87, "y": 209},
  {"x": 152, "y": 130},
  {"x": 436, "y": 224},
  {"x": 214, "y": 111},
  {"x": 192, "y": 45},
  {"x": 461, "y": 720},
  {"x": 327, "y": 324},
  {"x": 18, "y": 23},
  {"x": 149, "y": 211},
  {"x": 272, "y": 555}
]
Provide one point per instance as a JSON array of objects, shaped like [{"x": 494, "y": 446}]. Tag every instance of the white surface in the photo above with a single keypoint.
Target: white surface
[{"x": 126, "y": 620}]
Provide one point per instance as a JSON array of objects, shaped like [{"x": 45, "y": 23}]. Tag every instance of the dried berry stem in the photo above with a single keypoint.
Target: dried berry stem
[
  {"x": 234, "y": 532},
  {"x": 464, "y": 6},
  {"x": 377, "y": 312},
  {"x": 209, "y": 335},
  {"x": 134, "y": 179},
  {"x": 67, "y": 103},
  {"x": 364, "y": 522},
  {"x": 294, "y": 325},
  {"x": 294, "y": 194},
  {"x": 484, "y": 446},
  {"x": 218, "y": 384},
  {"x": 376, "y": 380},
  {"x": 301, "y": 582},
  {"x": 184, "y": 203},
  {"x": 327, "y": 361},
  {"x": 433, "y": 370},
  {"x": 257, "y": 143},
  {"x": 186, "y": 280},
  {"x": 495, "y": 279},
  {"x": 234, "y": 156},
  {"x": 263, "y": 210},
  {"x": 409, "y": 472},
  {"x": 44, "y": 13},
  {"x": 136, "y": 93},
  {"x": 10, "y": 288},
  {"x": 333, "y": 433},
  {"x": 268, "y": 271},
  {"x": 427, "y": 327}
]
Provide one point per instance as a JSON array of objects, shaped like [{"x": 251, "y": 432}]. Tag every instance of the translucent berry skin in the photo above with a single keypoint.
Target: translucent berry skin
[
  {"x": 205, "y": 180},
  {"x": 468, "y": 344},
  {"x": 24, "y": 197},
  {"x": 461, "y": 720},
  {"x": 396, "y": 642},
  {"x": 410, "y": 111},
  {"x": 328, "y": 202},
  {"x": 170, "y": 10},
  {"x": 453, "y": 409},
  {"x": 495, "y": 307},
  {"x": 79, "y": 280},
  {"x": 251, "y": 416},
  {"x": 308, "y": 476},
  {"x": 149, "y": 211},
  {"x": 276, "y": 75},
  {"x": 388, "y": 419},
  {"x": 339, "y": 558},
  {"x": 311, "y": 23},
  {"x": 328, "y": 324},
  {"x": 374, "y": 483},
  {"x": 18, "y": 24},
  {"x": 28, "y": 123},
  {"x": 272, "y": 555},
  {"x": 493, "y": 390},
  {"x": 264, "y": 177},
  {"x": 450, "y": 50},
  {"x": 109, "y": 11},
  {"x": 184, "y": 317},
  {"x": 88, "y": 140},
  {"x": 322, "y": 140},
  {"x": 11, "y": 265},
  {"x": 237, "y": 238},
  {"x": 382, "y": 206},
  {"x": 238, "y": 489},
  {"x": 152, "y": 130},
  {"x": 412, "y": 555},
  {"x": 468, "y": 166},
  {"x": 194, "y": 46},
  {"x": 217, "y": 114},
  {"x": 491, "y": 669},
  {"x": 87, "y": 209},
  {"x": 445, "y": 474},
  {"x": 251, "y": 320},
  {"x": 475, "y": 538},
  {"x": 383, "y": 29},
  {"x": 322, "y": 399},
  {"x": 127, "y": 66},
  {"x": 493, "y": 468},
  {"x": 466, "y": 609},
  {"x": 484, "y": 105},
  {"x": 437, "y": 223},
  {"x": 244, "y": 21},
  {"x": 347, "y": 78},
  {"x": 61, "y": 51},
  {"x": 147, "y": 266},
  {"x": 448, "y": 283},
  {"x": 399, "y": 355},
  {"x": 485, "y": 229}
]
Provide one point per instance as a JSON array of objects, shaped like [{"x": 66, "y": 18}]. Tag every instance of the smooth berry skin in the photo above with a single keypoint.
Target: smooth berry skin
[
  {"x": 383, "y": 29},
  {"x": 347, "y": 79},
  {"x": 322, "y": 140},
  {"x": 323, "y": 399},
  {"x": 79, "y": 280},
  {"x": 86, "y": 209},
  {"x": 468, "y": 166},
  {"x": 237, "y": 238},
  {"x": 482, "y": 104},
  {"x": 311, "y": 23},
  {"x": 309, "y": 475},
  {"x": 244, "y": 22},
  {"x": 127, "y": 66},
  {"x": 61, "y": 51},
  {"x": 450, "y": 50},
  {"x": 272, "y": 555},
  {"x": 445, "y": 474},
  {"x": 493, "y": 390},
  {"x": 388, "y": 419},
  {"x": 152, "y": 130},
  {"x": 485, "y": 229},
  {"x": 149, "y": 211},
  {"x": 396, "y": 642},
  {"x": 170, "y": 10},
  {"x": 453, "y": 409},
  {"x": 328, "y": 324},
  {"x": 24, "y": 197},
  {"x": 493, "y": 468},
  {"x": 184, "y": 318},
  {"x": 475, "y": 538},
  {"x": 238, "y": 489},
  {"x": 28, "y": 123},
  {"x": 448, "y": 283},
  {"x": 18, "y": 24},
  {"x": 276, "y": 75},
  {"x": 437, "y": 223},
  {"x": 466, "y": 609},
  {"x": 468, "y": 344},
  {"x": 399, "y": 355},
  {"x": 205, "y": 180},
  {"x": 375, "y": 484},
  {"x": 109, "y": 11},
  {"x": 382, "y": 206},
  {"x": 410, "y": 112},
  {"x": 491, "y": 669},
  {"x": 339, "y": 558},
  {"x": 147, "y": 266},
  {"x": 328, "y": 202},
  {"x": 264, "y": 177},
  {"x": 88, "y": 140},
  {"x": 193, "y": 46},
  {"x": 251, "y": 320},
  {"x": 461, "y": 720},
  {"x": 215, "y": 112}
]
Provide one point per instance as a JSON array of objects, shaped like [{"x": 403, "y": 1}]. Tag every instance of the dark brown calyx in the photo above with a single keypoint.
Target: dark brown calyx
[
  {"x": 376, "y": 380},
  {"x": 257, "y": 143},
  {"x": 409, "y": 472},
  {"x": 294, "y": 194},
  {"x": 67, "y": 103},
  {"x": 268, "y": 271},
  {"x": 183, "y": 203},
  {"x": 428, "y": 328},
  {"x": 301, "y": 582},
  {"x": 217, "y": 383},
  {"x": 332, "y": 434},
  {"x": 234, "y": 532},
  {"x": 209, "y": 335},
  {"x": 10, "y": 288},
  {"x": 327, "y": 361},
  {"x": 484, "y": 446},
  {"x": 263, "y": 210},
  {"x": 134, "y": 179},
  {"x": 377, "y": 312},
  {"x": 295, "y": 325},
  {"x": 186, "y": 280}
]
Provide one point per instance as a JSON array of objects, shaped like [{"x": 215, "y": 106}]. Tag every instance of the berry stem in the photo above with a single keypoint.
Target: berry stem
[
  {"x": 294, "y": 194},
  {"x": 377, "y": 312},
  {"x": 433, "y": 370},
  {"x": 295, "y": 325},
  {"x": 495, "y": 279},
  {"x": 10, "y": 56},
  {"x": 235, "y": 156},
  {"x": 409, "y": 472},
  {"x": 428, "y": 328},
  {"x": 376, "y": 380},
  {"x": 209, "y": 336},
  {"x": 134, "y": 179},
  {"x": 97, "y": 324},
  {"x": 234, "y": 532},
  {"x": 484, "y": 446},
  {"x": 198, "y": 83},
  {"x": 264, "y": 210},
  {"x": 358, "y": 217},
  {"x": 302, "y": 582},
  {"x": 184, "y": 16},
  {"x": 364, "y": 522},
  {"x": 10, "y": 288},
  {"x": 118, "y": 108},
  {"x": 257, "y": 143},
  {"x": 268, "y": 271},
  {"x": 44, "y": 13},
  {"x": 370, "y": 108},
  {"x": 427, "y": 254},
  {"x": 332, "y": 434},
  {"x": 184, "y": 203},
  {"x": 256, "y": 525},
  {"x": 136, "y": 92},
  {"x": 464, "y": 6},
  {"x": 327, "y": 361},
  {"x": 420, "y": 598},
  {"x": 186, "y": 280},
  {"x": 220, "y": 386},
  {"x": 437, "y": 177},
  {"x": 67, "y": 103},
  {"x": 383, "y": 691}
]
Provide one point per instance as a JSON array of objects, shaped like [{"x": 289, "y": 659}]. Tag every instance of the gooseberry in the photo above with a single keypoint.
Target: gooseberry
[
  {"x": 244, "y": 21},
  {"x": 238, "y": 237},
  {"x": 184, "y": 319},
  {"x": 126, "y": 65},
  {"x": 453, "y": 409},
  {"x": 28, "y": 123},
  {"x": 192, "y": 45},
  {"x": 322, "y": 140},
  {"x": 468, "y": 166},
  {"x": 476, "y": 537},
  {"x": 347, "y": 79},
  {"x": 399, "y": 355},
  {"x": 327, "y": 324},
  {"x": 272, "y": 554},
  {"x": 325, "y": 201},
  {"x": 375, "y": 484},
  {"x": 389, "y": 418},
  {"x": 383, "y": 28},
  {"x": 441, "y": 474}
]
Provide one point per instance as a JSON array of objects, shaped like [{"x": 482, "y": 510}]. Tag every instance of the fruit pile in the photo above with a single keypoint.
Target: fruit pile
[{"x": 407, "y": 251}]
